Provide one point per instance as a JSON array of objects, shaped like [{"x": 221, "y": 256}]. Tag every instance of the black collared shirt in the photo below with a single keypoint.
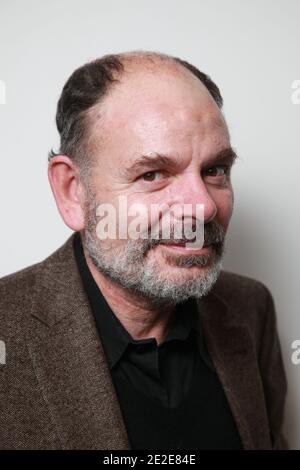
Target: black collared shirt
[
  {"x": 170, "y": 395},
  {"x": 164, "y": 372}
]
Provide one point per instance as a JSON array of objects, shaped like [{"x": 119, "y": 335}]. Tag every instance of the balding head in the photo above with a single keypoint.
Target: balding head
[{"x": 89, "y": 86}]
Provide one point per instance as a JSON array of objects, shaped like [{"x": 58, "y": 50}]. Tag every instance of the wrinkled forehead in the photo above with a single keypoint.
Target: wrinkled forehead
[{"x": 156, "y": 108}]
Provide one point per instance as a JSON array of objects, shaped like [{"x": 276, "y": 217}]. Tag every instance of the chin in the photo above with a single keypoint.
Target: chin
[{"x": 184, "y": 272}]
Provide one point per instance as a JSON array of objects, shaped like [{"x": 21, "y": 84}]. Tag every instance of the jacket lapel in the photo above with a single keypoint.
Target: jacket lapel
[
  {"x": 69, "y": 361},
  {"x": 230, "y": 346}
]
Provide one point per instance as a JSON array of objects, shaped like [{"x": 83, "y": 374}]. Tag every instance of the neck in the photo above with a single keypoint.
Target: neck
[{"x": 139, "y": 316}]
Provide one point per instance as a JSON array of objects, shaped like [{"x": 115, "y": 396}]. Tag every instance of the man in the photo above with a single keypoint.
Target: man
[{"x": 132, "y": 342}]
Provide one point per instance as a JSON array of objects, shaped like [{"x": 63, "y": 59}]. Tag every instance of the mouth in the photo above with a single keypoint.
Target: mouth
[{"x": 187, "y": 250}]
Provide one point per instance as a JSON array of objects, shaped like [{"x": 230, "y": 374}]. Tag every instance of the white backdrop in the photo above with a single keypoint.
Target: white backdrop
[{"x": 251, "y": 48}]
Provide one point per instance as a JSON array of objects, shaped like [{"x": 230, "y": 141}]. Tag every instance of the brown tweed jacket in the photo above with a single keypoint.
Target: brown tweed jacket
[{"x": 56, "y": 390}]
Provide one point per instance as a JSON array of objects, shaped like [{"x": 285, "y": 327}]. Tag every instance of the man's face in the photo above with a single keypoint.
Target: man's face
[{"x": 170, "y": 114}]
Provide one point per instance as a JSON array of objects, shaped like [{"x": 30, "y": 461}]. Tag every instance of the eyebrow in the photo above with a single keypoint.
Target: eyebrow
[
  {"x": 227, "y": 155},
  {"x": 151, "y": 161},
  {"x": 155, "y": 160}
]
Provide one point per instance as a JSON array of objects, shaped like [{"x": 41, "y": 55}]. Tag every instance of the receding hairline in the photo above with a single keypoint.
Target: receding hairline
[
  {"x": 114, "y": 68},
  {"x": 135, "y": 62}
]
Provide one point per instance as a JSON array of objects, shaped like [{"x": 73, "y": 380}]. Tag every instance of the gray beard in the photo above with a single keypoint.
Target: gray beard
[{"x": 131, "y": 269}]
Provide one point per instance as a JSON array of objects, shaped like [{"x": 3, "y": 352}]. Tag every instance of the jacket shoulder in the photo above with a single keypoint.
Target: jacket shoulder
[
  {"x": 18, "y": 278},
  {"x": 249, "y": 302},
  {"x": 12, "y": 285},
  {"x": 16, "y": 289},
  {"x": 232, "y": 286}
]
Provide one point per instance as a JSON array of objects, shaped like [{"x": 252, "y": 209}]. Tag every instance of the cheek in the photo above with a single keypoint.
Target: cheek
[
  {"x": 224, "y": 201},
  {"x": 143, "y": 206}
]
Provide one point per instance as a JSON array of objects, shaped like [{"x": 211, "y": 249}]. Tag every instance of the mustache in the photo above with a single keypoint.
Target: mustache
[{"x": 214, "y": 233}]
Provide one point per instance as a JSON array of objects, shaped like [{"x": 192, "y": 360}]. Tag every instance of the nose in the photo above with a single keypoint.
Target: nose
[{"x": 192, "y": 190}]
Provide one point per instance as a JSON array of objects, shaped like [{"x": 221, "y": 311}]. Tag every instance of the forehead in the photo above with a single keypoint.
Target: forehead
[{"x": 160, "y": 109}]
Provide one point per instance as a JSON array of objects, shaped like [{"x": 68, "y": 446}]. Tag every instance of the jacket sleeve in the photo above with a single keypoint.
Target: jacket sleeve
[{"x": 273, "y": 374}]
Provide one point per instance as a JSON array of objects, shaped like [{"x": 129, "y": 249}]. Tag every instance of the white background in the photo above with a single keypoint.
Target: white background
[{"x": 250, "y": 48}]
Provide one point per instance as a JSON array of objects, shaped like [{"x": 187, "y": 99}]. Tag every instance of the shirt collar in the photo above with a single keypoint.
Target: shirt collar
[{"x": 114, "y": 337}]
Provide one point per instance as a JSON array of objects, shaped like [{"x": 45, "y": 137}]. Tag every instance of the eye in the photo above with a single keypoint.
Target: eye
[
  {"x": 218, "y": 170},
  {"x": 151, "y": 176}
]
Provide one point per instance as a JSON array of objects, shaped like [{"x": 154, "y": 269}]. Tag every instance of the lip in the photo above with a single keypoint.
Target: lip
[{"x": 185, "y": 250}]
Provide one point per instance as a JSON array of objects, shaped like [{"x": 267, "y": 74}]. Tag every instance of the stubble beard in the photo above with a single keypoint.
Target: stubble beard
[{"x": 133, "y": 268}]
